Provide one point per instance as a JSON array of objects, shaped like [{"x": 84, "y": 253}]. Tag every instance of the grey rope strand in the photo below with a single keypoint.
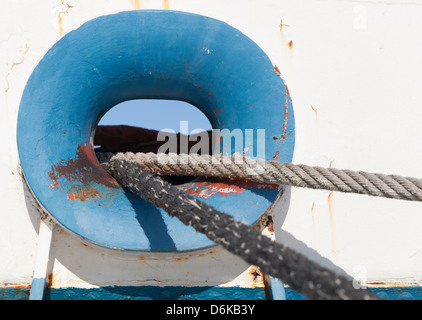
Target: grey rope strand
[
  {"x": 273, "y": 172},
  {"x": 275, "y": 259}
]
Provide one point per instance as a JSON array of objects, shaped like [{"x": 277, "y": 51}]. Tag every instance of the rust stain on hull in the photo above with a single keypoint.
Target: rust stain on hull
[
  {"x": 81, "y": 172},
  {"x": 331, "y": 213},
  {"x": 180, "y": 259},
  {"x": 60, "y": 23},
  {"x": 316, "y": 113},
  {"x": 281, "y": 25},
  {"x": 313, "y": 216},
  {"x": 136, "y": 4},
  {"x": 209, "y": 253},
  {"x": 166, "y": 4},
  {"x": 391, "y": 284},
  {"x": 259, "y": 279},
  {"x": 265, "y": 225},
  {"x": 16, "y": 285},
  {"x": 64, "y": 9},
  {"x": 250, "y": 278}
]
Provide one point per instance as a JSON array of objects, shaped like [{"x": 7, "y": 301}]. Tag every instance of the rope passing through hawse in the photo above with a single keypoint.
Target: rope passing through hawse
[
  {"x": 239, "y": 167},
  {"x": 137, "y": 173}
]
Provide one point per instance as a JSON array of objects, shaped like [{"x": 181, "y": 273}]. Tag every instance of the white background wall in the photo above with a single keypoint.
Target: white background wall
[{"x": 354, "y": 70}]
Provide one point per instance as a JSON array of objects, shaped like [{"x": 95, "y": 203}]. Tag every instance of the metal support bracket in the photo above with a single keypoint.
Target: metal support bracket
[{"x": 41, "y": 263}]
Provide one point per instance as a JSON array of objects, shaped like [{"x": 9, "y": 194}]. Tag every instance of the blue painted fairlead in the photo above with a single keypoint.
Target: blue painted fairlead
[{"x": 146, "y": 54}]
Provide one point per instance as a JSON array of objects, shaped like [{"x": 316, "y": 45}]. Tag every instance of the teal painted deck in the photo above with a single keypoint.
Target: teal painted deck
[{"x": 186, "y": 293}]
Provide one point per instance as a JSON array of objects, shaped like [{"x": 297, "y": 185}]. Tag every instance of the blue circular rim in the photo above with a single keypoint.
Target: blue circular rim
[{"x": 145, "y": 54}]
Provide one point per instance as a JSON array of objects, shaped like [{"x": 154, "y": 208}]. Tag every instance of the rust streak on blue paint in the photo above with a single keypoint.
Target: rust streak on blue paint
[{"x": 82, "y": 172}]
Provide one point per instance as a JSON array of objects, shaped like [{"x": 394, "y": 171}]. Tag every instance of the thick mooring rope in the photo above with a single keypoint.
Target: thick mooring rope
[
  {"x": 273, "y": 172},
  {"x": 275, "y": 259}
]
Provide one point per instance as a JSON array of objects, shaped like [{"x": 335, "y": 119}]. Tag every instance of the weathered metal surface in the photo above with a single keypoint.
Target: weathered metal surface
[
  {"x": 347, "y": 75},
  {"x": 81, "y": 174},
  {"x": 204, "y": 61}
]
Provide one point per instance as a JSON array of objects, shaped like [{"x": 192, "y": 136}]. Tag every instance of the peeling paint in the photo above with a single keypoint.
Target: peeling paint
[
  {"x": 276, "y": 156},
  {"x": 82, "y": 193},
  {"x": 23, "y": 52},
  {"x": 81, "y": 171},
  {"x": 21, "y": 59},
  {"x": 207, "y": 189},
  {"x": 252, "y": 277},
  {"x": 270, "y": 225},
  {"x": 286, "y": 115},
  {"x": 254, "y": 272},
  {"x": 16, "y": 285},
  {"x": 264, "y": 224},
  {"x": 180, "y": 259}
]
